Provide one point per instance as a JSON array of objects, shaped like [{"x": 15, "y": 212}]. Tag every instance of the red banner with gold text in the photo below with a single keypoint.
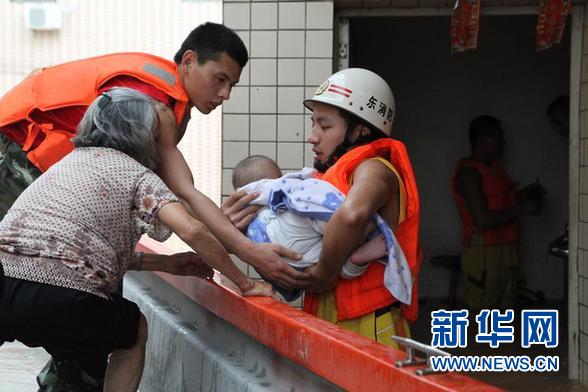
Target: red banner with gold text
[
  {"x": 552, "y": 22},
  {"x": 465, "y": 21}
]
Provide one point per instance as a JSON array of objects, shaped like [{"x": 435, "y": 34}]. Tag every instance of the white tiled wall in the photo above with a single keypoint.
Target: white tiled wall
[
  {"x": 290, "y": 128},
  {"x": 263, "y": 127},
  {"x": 263, "y": 44},
  {"x": 236, "y": 127},
  {"x": 291, "y": 43},
  {"x": 319, "y": 43},
  {"x": 263, "y": 148},
  {"x": 290, "y": 154},
  {"x": 263, "y": 99},
  {"x": 319, "y": 15},
  {"x": 233, "y": 152},
  {"x": 291, "y": 72},
  {"x": 238, "y": 102},
  {"x": 263, "y": 72},
  {"x": 291, "y": 52},
  {"x": 245, "y": 75},
  {"x": 292, "y": 15},
  {"x": 237, "y": 16},
  {"x": 264, "y": 16},
  {"x": 290, "y": 99},
  {"x": 315, "y": 70}
]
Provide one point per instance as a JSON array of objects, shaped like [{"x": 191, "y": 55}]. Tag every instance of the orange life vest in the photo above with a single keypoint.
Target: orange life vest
[
  {"x": 365, "y": 294},
  {"x": 77, "y": 84},
  {"x": 500, "y": 193}
]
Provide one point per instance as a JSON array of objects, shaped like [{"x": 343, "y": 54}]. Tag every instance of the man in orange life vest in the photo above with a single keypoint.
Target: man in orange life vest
[
  {"x": 489, "y": 207},
  {"x": 39, "y": 116},
  {"x": 352, "y": 115}
]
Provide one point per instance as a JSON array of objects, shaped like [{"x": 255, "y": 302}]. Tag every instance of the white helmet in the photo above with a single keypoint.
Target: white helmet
[{"x": 360, "y": 92}]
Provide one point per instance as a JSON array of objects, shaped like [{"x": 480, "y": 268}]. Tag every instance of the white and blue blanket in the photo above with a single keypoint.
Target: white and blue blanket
[{"x": 307, "y": 196}]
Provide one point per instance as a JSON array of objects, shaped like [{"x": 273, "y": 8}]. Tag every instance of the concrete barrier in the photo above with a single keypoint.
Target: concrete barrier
[
  {"x": 205, "y": 337},
  {"x": 192, "y": 349}
]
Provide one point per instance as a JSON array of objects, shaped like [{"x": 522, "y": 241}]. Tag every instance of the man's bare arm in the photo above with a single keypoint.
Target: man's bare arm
[
  {"x": 470, "y": 186},
  {"x": 197, "y": 236},
  {"x": 373, "y": 185},
  {"x": 174, "y": 170}
]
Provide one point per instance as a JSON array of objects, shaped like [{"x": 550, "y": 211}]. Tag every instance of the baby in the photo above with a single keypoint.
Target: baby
[{"x": 296, "y": 209}]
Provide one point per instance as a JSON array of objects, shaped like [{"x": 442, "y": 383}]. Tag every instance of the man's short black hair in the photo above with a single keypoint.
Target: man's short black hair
[
  {"x": 484, "y": 126},
  {"x": 560, "y": 104},
  {"x": 210, "y": 40}
]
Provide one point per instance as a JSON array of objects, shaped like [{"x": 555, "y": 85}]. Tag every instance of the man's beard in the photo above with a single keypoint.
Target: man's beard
[
  {"x": 339, "y": 151},
  {"x": 320, "y": 166}
]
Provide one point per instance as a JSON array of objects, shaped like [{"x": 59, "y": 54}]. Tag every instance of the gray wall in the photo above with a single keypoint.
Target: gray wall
[{"x": 437, "y": 95}]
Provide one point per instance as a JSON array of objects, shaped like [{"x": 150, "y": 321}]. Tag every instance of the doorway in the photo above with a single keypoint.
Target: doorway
[{"x": 438, "y": 94}]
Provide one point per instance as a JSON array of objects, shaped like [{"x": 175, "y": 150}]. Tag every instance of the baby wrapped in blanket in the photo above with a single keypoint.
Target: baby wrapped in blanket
[{"x": 297, "y": 208}]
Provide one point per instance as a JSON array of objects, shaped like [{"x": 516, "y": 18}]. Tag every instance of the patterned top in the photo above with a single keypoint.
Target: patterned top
[{"x": 77, "y": 225}]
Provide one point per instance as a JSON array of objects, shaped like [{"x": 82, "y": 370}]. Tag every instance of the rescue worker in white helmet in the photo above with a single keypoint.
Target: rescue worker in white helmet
[
  {"x": 352, "y": 116},
  {"x": 371, "y": 105}
]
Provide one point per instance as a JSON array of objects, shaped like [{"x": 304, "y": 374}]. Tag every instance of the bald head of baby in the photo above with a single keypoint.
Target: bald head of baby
[{"x": 254, "y": 168}]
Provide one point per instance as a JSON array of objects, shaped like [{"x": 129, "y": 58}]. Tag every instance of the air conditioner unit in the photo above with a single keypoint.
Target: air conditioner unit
[{"x": 43, "y": 16}]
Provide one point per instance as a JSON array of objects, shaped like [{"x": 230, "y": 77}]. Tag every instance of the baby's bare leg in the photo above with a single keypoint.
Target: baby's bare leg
[{"x": 370, "y": 251}]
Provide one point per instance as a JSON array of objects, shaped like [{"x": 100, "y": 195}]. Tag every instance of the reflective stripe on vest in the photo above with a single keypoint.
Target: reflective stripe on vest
[
  {"x": 365, "y": 294},
  {"x": 77, "y": 84}
]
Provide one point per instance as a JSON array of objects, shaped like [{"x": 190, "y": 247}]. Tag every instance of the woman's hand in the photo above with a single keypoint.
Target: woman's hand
[
  {"x": 259, "y": 289},
  {"x": 189, "y": 264}
]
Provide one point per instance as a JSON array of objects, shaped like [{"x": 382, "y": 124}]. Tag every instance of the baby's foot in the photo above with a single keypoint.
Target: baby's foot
[{"x": 370, "y": 251}]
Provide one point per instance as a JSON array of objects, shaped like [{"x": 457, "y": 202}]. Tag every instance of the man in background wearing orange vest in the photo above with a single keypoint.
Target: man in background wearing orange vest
[
  {"x": 39, "y": 116},
  {"x": 489, "y": 207},
  {"x": 352, "y": 115}
]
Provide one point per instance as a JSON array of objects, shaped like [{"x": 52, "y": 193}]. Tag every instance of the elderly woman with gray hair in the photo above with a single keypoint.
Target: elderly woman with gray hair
[{"x": 69, "y": 238}]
